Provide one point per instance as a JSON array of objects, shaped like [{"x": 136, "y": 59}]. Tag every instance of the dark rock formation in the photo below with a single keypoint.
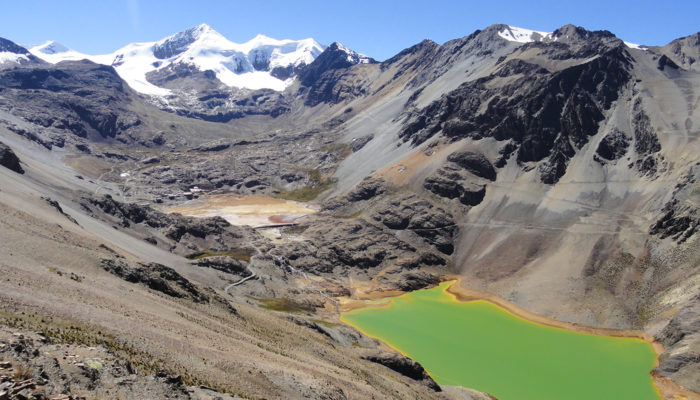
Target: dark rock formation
[
  {"x": 333, "y": 57},
  {"x": 309, "y": 324},
  {"x": 434, "y": 224},
  {"x": 476, "y": 163},
  {"x": 229, "y": 265},
  {"x": 359, "y": 143},
  {"x": 547, "y": 115},
  {"x": 212, "y": 147},
  {"x": 457, "y": 179},
  {"x": 613, "y": 146},
  {"x": 340, "y": 245},
  {"x": 666, "y": 62},
  {"x": 679, "y": 221},
  {"x": 184, "y": 235},
  {"x": 680, "y": 338},
  {"x": 366, "y": 190},
  {"x": 12, "y": 47},
  {"x": 79, "y": 96},
  {"x": 453, "y": 182},
  {"x": 54, "y": 204},
  {"x": 403, "y": 365},
  {"x": 157, "y": 277},
  {"x": 9, "y": 159},
  {"x": 327, "y": 78}
]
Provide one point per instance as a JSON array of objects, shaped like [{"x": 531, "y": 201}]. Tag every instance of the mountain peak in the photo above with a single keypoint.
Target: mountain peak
[
  {"x": 12, "y": 54},
  {"x": 521, "y": 35},
  {"x": 8, "y": 46},
  {"x": 352, "y": 56},
  {"x": 262, "y": 37},
  {"x": 179, "y": 42},
  {"x": 50, "y": 47},
  {"x": 572, "y": 32}
]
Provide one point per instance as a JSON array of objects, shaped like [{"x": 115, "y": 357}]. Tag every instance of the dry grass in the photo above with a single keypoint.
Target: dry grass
[
  {"x": 284, "y": 305},
  {"x": 317, "y": 185},
  {"x": 22, "y": 373}
]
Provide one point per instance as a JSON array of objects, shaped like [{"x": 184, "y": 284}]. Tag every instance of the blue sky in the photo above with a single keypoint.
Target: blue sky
[{"x": 377, "y": 28}]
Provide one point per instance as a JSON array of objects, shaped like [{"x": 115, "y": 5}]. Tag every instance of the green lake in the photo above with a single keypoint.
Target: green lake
[{"x": 482, "y": 346}]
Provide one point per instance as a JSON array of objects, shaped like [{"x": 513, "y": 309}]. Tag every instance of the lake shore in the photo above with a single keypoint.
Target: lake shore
[{"x": 668, "y": 389}]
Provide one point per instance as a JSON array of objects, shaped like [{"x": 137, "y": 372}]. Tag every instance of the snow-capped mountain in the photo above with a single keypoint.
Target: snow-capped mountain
[
  {"x": 262, "y": 62},
  {"x": 54, "y": 52},
  {"x": 12, "y": 54},
  {"x": 522, "y": 35},
  {"x": 353, "y": 57}
]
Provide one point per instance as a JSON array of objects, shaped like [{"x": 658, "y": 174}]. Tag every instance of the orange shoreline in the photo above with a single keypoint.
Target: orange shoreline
[{"x": 666, "y": 388}]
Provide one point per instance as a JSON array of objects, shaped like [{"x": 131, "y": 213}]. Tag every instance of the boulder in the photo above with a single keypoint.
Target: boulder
[
  {"x": 9, "y": 159},
  {"x": 403, "y": 365}
]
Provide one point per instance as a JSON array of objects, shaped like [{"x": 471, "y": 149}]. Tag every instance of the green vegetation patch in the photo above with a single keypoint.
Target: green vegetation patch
[
  {"x": 317, "y": 185},
  {"x": 240, "y": 254},
  {"x": 284, "y": 305}
]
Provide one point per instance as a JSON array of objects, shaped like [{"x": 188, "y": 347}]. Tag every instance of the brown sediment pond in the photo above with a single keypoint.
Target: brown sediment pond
[{"x": 253, "y": 210}]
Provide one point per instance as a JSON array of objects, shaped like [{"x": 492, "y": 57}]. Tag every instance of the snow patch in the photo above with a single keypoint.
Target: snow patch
[
  {"x": 353, "y": 56},
  {"x": 522, "y": 35},
  {"x": 6, "y": 56},
  {"x": 54, "y": 52},
  {"x": 636, "y": 46}
]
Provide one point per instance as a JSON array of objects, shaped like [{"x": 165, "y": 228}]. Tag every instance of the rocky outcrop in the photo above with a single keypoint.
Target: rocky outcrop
[
  {"x": 334, "y": 57},
  {"x": 679, "y": 221},
  {"x": 359, "y": 143},
  {"x": 475, "y": 163},
  {"x": 339, "y": 246},
  {"x": 155, "y": 276},
  {"x": 367, "y": 189},
  {"x": 613, "y": 146},
  {"x": 462, "y": 177},
  {"x": 681, "y": 338},
  {"x": 9, "y": 159},
  {"x": 181, "y": 234},
  {"x": 403, "y": 365},
  {"x": 685, "y": 52},
  {"x": 327, "y": 79},
  {"x": 548, "y": 116},
  {"x": 82, "y": 97},
  {"x": 434, "y": 224},
  {"x": 452, "y": 184},
  {"x": 646, "y": 142},
  {"x": 458, "y": 178},
  {"x": 229, "y": 265},
  {"x": 55, "y": 205}
]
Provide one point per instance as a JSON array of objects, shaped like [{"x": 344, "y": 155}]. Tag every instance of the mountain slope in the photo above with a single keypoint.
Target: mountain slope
[
  {"x": 570, "y": 223},
  {"x": 12, "y": 54},
  {"x": 556, "y": 170}
]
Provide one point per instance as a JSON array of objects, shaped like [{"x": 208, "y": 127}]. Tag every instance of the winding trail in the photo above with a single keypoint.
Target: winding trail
[{"x": 252, "y": 275}]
